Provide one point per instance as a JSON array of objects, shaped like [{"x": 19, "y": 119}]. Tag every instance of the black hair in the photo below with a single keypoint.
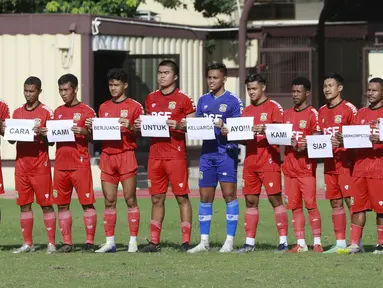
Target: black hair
[
  {"x": 173, "y": 65},
  {"x": 376, "y": 80},
  {"x": 217, "y": 66},
  {"x": 68, "y": 78},
  {"x": 337, "y": 77},
  {"x": 33, "y": 80},
  {"x": 255, "y": 78},
  {"x": 117, "y": 74},
  {"x": 302, "y": 81}
]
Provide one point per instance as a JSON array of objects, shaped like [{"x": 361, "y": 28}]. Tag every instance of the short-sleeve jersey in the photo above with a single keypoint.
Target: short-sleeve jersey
[
  {"x": 369, "y": 161},
  {"x": 260, "y": 155},
  {"x": 128, "y": 109},
  {"x": 73, "y": 155},
  {"x": 305, "y": 122},
  {"x": 222, "y": 107},
  {"x": 32, "y": 157},
  {"x": 176, "y": 106}
]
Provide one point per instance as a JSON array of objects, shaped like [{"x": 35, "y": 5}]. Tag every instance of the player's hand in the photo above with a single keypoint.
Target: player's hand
[
  {"x": 183, "y": 124},
  {"x": 125, "y": 123},
  {"x": 80, "y": 130},
  {"x": 374, "y": 139},
  {"x": 224, "y": 130},
  {"x": 88, "y": 123},
  {"x": 172, "y": 124},
  {"x": 259, "y": 129},
  {"x": 218, "y": 123},
  {"x": 37, "y": 130},
  {"x": 137, "y": 124},
  {"x": 334, "y": 142},
  {"x": 44, "y": 131},
  {"x": 303, "y": 143},
  {"x": 294, "y": 142}
]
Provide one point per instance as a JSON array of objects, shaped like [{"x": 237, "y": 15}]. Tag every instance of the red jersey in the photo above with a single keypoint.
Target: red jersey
[
  {"x": 4, "y": 111},
  {"x": 331, "y": 120},
  {"x": 260, "y": 155},
  {"x": 33, "y": 157},
  {"x": 369, "y": 161},
  {"x": 305, "y": 122},
  {"x": 175, "y": 106},
  {"x": 73, "y": 155},
  {"x": 129, "y": 109}
]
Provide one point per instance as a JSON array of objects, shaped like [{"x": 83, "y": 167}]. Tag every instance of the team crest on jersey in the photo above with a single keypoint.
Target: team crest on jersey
[
  {"x": 302, "y": 124},
  {"x": 172, "y": 105},
  {"x": 338, "y": 119},
  {"x": 124, "y": 113},
  {"x": 263, "y": 117},
  {"x": 37, "y": 122},
  {"x": 55, "y": 193},
  {"x": 222, "y": 108},
  {"x": 76, "y": 116}
]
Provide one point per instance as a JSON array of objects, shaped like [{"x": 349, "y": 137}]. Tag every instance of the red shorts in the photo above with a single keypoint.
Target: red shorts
[
  {"x": 252, "y": 182},
  {"x": 367, "y": 194},
  {"x": 298, "y": 189},
  {"x": 28, "y": 186},
  {"x": 337, "y": 186},
  {"x": 161, "y": 172},
  {"x": 117, "y": 168},
  {"x": 65, "y": 180}
]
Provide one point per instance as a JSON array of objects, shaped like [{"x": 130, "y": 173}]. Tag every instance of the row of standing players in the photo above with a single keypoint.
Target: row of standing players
[{"x": 351, "y": 177}]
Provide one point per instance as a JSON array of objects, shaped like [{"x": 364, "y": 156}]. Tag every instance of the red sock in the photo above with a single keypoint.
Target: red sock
[
  {"x": 90, "y": 222},
  {"x": 26, "y": 223},
  {"x": 155, "y": 231},
  {"x": 251, "y": 222},
  {"x": 315, "y": 222},
  {"x": 299, "y": 223},
  {"x": 134, "y": 220},
  {"x": 282, "y": 220},
  {"x": 339, "y": 222},
  {"x": 186, "y": 232},
  {"x": 355, "y": 234},
  {"x": 380, "y": 234},
  {"x": 110, "y": 219},
  {"x": 50, "y": 225},
  {"x": 65, "y": 223}
]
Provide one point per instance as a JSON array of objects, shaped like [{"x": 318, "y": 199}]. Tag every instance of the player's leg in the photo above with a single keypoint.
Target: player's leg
[
  {"x": 109, "y": 184},
  {"x": 251, "y": 189},
  {"x": 62, "y": 194},
  {"x": 208, "y": 181},
  {"x": 83, "y": 183},
  {"x": 308, "y": 189},
  {"x": 177, "y": 172},
  {"x": 158, "y": 186},
  {"x": 24, "y": 199},
  {"x": 127, "y": 169},
  {"x": 42, "y": 187},
  {"x": 272, "y": 181},
  {"x": 360, "y": 203},
  {"x": 293, "y": 198}
]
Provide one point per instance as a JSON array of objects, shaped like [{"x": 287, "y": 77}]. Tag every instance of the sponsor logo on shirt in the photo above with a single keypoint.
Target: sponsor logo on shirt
[
  {"x": 172, "y": 105},
  {"x": 222, "y": 108},
  {"x": 338, "y": 119}
]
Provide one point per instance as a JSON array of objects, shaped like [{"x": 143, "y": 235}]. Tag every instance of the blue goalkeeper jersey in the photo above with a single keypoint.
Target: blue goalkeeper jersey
[{"x": 225, "y": 106}]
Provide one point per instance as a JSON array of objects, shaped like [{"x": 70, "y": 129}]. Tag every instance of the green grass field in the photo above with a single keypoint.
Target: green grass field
[{"x": 171, "y": 268}]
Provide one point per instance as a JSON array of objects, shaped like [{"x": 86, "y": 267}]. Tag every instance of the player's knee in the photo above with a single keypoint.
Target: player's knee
[
  {"x": 252, "y": 201},
  {"x": 158, "y": 200},
  {"x": 26, "y": 208},
  {"x": 183, "y": 200},
  {"x": 275, "y": 200},
  {"x": 47, "y": 209},
  {"x": 63, "y": 208},
  {"x": 86, "y": 207},
  {"x": 336, "y": 203},
  {"x": 131, "y": 202},
  {"x": 230, "y": 197}
]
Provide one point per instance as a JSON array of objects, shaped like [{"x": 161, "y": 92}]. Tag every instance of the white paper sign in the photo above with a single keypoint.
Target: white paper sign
[
  {"x": 356, "y": 136},
  {"x": 19, "y": 130},
  {"x": 381, "y": 129},
  {"x": 106, "y": 129},
  {"x": 279, "y": 134},
  {"x": 240, "y": 128},
  {"x": 319, "y": 146},
  {"x": 154, "y": 126},
  {"x": 200, "y": 128},
  {"x": 60, "y": 131}
]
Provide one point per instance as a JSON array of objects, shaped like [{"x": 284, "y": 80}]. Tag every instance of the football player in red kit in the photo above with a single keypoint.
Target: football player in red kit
[
  {"x": 167, "y": 156},
  {"x": 300, "y": 171},
  {"x": 118, "y": 162},
  {"x": 72, "y": 166},
  {"x": 33, "y": 168},
  {"x": 4, "y": 114}
]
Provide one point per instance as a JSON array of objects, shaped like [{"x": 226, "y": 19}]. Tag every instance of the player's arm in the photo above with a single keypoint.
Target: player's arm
[
  {"x": 189, "y": 109},
  {"x": 133, "y": 126},
  {"x": 5, "y": 114},
  {"x": 314, "y": 130}
]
